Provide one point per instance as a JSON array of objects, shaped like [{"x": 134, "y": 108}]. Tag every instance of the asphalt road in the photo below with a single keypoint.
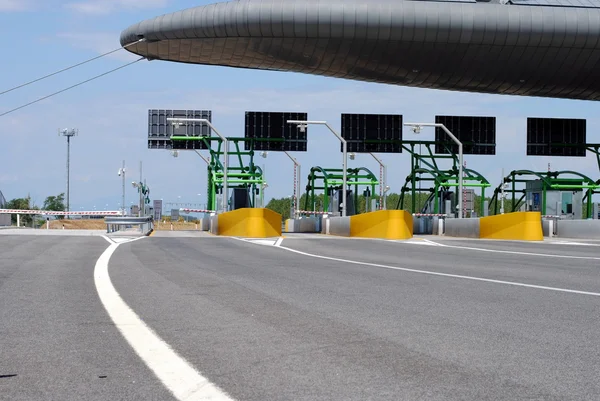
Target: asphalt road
[
  {"x": 56, "y": 340},
  {"x": 267, "y": 323}
]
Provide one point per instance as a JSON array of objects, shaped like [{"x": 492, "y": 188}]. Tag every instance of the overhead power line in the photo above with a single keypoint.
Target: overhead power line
[
  {"x": 71, "y": 87},
  {"x": 69, "y": 68}
]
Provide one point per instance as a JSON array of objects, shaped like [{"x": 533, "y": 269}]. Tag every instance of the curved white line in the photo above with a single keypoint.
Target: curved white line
[{"x": 175, "y": 373}]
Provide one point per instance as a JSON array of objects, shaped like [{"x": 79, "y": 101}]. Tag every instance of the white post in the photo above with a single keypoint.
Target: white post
[
  {"x": 502, "y": 200},
  {"x": 382, "y": 184},
  {"x": 18, "y": 220},
  {"x": 296, "y": 183}
]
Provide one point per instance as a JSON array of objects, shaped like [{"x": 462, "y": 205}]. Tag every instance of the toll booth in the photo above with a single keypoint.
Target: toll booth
[
  {"x": 566, "y": 203},
  {"x": 337, "y": 202},
  {"x": 240, "y": 199},
  {"x": 447, "y": 203}
]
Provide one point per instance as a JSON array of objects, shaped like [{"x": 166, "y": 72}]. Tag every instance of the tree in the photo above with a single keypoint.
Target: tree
[
  {"x": 21, "y": 204},
  {"x": 55, "y": 203}
]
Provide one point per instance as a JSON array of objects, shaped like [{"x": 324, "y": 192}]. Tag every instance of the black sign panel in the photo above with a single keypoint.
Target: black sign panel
[
  {"x": 273, "y": 133},
  {"x": 477, "y": 134},
  {"x": 160, "y": 130},
  {"x": 546, "y": 135},
  {"x": 372, "y": 133}
]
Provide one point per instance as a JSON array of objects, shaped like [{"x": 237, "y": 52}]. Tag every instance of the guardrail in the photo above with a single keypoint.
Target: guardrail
[
  {"x": 196, "y": 211},
  {"x": 55, "y": 213},
  {"x": 19, "y": 212},
  {"x": 146, "y": 223}
]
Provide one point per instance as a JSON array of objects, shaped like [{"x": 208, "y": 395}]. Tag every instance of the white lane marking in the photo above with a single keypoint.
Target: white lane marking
[
  {"x": 121, "y": 240},
  {"x": 175, "y": 373},
  {"x": 279, "y": 241},
  {"x": 546, "y": 255},
  {"x": 459, "y": 276},
  {"x": 568, "y": 243},
  {"x": 432, "y": 243},
  {"x": 269, "y": 242}
]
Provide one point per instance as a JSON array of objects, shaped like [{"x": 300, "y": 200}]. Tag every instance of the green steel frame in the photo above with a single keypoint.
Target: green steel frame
[
  {"x": 440, "y": 178},
  {"x": 239, "y": 174},
  {"x": 331, "y": 179},
  {"x": 550, "y": 181}
]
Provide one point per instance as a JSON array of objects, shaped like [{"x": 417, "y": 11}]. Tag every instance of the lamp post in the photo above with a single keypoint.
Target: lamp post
[
  {"x": 68, "y": 133},
  {"x": 302, "y": 127},
  {"x": 417, "y": 129},
  {"x": 178, "y": 121}
]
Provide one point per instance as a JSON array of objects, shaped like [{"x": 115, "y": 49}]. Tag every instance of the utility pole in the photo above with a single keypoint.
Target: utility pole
[
  {"x": 140, "y": 213},
  {"x": 122, "y": 174},
  {"x": 68, "y": 132}
]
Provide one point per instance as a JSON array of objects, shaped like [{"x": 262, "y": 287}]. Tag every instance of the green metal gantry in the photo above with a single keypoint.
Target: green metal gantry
[
  {"x": 330, "y": 179},
  {"x": 239, "y": 175},
  {"x": 550, "y": 181},
  {"x": 428, "y": 164}
]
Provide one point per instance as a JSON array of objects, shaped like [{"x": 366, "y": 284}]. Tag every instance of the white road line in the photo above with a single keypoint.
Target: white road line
[
  {"x": 517, "y": 284},
  {"x": 279, "y": 241},
  {"x": 547, "y": 255},
  {"x": 176, "y": 374},
  {"x": 459, "y": 276},
  {"x": 432, "y": 243}
]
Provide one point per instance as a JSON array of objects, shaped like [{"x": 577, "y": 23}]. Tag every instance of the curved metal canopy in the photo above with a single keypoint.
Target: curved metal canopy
[{"x": 488, "y": 47}]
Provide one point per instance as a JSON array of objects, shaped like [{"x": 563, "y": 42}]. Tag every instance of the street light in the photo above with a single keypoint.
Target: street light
[
  {"x": 416, "y": 127},
  {"x": 68, "y": 133},
  {"x": 302, "y": 128},
  {"x": 178, "y": 121}
]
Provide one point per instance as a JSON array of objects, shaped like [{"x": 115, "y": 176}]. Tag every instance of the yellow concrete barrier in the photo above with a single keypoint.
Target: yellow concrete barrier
[
  {"x": 387, "y": 224},
  {"x": 524, "y": 226},
  {"x": 250, "y": 223}
]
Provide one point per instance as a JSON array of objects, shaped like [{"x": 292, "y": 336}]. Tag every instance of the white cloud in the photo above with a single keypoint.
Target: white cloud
[
  {"x": 104, "y": 7},
  {"x": 98, "y": 42},
  {"x": 16, "y": 5}
]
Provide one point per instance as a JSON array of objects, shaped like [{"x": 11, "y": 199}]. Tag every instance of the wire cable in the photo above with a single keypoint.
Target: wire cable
[
  {"x": 69, "y": 68},
  {"x": 71, "y": 87}
]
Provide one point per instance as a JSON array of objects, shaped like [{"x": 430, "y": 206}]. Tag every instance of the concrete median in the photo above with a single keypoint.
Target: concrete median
[{"x": 385, "y": 224}]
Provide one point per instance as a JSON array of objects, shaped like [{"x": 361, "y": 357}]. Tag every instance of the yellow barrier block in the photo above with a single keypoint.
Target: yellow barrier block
[
  {"x": 388, "y": 224},
  {"x": 250, "y": 223},
  {"x": 524, "y": 226}
]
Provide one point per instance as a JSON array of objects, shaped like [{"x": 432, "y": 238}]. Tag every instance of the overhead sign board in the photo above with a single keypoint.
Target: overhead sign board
[
  {"x": 556, "y": 137},
  {"x": 477, "y": 135},
  {"x": 372, "y": 133},
  {"x": 160, "y": 130},
  {"x": 272, "y": 132}
]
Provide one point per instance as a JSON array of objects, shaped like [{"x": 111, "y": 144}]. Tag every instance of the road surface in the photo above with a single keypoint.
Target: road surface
[{"x": 313, "y": 318}]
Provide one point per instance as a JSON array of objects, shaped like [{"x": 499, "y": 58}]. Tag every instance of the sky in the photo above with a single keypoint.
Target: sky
[{"x": 43, "y": 36}]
